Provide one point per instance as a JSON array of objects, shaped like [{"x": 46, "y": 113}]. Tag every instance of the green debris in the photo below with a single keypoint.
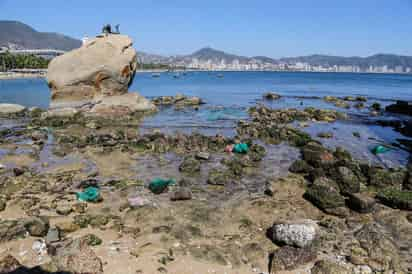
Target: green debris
[
  {"x": 380, "y": 149},
  {"x": 159, "y": 185},
  {"x": 241, "y": 148},
  {"x": 90, "y": 194}
]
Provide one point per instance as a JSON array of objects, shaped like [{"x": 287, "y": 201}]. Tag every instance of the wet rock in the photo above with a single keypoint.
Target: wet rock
[
  {"x": 9, "y": 264},
  {"x": 18, "y": 171},
  {"x": 396, "y": 198},
  {"x": 328, "y": 267},
  {"x": 189, "y": 165},
  {"x": 361, "y": 202},
  {"x": 181, "y": 194},
  {"x": 386, "y": 178},
  {"x": 361, "y": 99},
  {"x": 326, "y": 135},
  {"x": 271, "y": 96},
  {"x": 11, "y": 110},
  {"x": 376, "y": 106},
  {"x": 330, "y": 99},
  {"x": 359, "y": 105},
  {"x": 401, "y": 107},
  {"x": 342, "y": 104},
  {"x": 300, "y": 166},
  {"x": 202, "y": 156},
  {"x": 37, "y": 227},
  {"x": 316, "y": 155},
  {"x": 256, "y": 153},
  {"x": 11, "y": 230},
  {"x": 218, "y": 177},
  {"x": 77, "y": 257},
  {"x": 289, "y": 258},
  {"x": 348, "y": 182},
  {"x": 298, "y": 233},
  {"x": 53, "y": 235},
  {"x": 324, "y": 197}
]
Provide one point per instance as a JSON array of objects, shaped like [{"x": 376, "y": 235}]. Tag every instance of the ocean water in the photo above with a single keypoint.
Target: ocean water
[
  {"x": 235, "y": 88},
  {"x": 228, "y": 98}
]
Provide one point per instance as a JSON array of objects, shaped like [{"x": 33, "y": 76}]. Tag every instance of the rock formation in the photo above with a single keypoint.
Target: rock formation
[{"x": 102, "y": 68}]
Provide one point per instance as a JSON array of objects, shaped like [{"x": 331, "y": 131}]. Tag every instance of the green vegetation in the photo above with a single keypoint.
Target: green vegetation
[{"x": 10, "y": 61}]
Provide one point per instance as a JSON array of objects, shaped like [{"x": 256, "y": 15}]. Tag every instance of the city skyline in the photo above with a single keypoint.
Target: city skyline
[{"x": 269, "y": 28}]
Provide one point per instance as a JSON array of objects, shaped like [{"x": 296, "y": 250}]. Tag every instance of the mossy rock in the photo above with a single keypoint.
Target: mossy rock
[
  {"x": 300, "y": 166},
  {"x": 396, "y": 198},
  {"x": 386, "y": 178},
  {"x": 190, "y": 165},
  {"x": 324, "y": 197},
  {"x": 218, "y": 177}
]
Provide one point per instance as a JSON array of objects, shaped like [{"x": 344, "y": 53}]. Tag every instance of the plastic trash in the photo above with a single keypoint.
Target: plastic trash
[
  {"x": 229, "y": 148},
  {"x": 241, "y": 148},
  {"x": 159, "y": 185},
  {"x": 90, "y": 194},
  {"x": 380, "y": 149}
]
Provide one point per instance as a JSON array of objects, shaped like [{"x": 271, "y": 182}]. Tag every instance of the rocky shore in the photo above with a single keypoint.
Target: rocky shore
[{"x": 82, "y": 190}]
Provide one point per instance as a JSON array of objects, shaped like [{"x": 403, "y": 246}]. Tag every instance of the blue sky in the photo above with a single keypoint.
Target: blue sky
[{"x": 273, "y": 28}]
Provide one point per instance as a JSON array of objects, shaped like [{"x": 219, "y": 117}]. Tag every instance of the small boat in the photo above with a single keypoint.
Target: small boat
[
  {"x": 177, "y": 75},
  {"x": 155, "y": 75}
]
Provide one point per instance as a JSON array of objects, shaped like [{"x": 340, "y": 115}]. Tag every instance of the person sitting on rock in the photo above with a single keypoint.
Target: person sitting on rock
[
  {"x": 107, "y": 29},
  {"x": 117, "y": 27}
]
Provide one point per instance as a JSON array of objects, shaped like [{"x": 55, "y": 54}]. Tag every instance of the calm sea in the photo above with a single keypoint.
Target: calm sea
[{"x": 235, "y": 88}]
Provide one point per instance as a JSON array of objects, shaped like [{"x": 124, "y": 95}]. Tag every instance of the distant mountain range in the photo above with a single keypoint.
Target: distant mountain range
[
  {"x": 16, "y": 35},
  {"x": 216, "y": 56}
]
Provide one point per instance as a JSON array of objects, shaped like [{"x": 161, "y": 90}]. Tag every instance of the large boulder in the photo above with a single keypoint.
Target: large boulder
[
  {"x": 299, "y": 233},
  {"x": 123, "y": 104},
  {"x": 11, "y": 110},
  {"x": 105, "y": 66}
]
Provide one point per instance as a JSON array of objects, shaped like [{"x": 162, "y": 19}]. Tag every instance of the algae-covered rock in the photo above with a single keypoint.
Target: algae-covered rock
[
  {"x": 324, "y": 197},
  {"x": 387, "y": 178},
  {"x": 348, "y": 182},
  {"x": 190, "y": 165},
  {"x": 396, "y": 198},
  {"x": 218, "y": 177}
]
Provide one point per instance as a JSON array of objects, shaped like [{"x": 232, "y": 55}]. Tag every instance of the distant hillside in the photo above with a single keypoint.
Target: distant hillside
[
  {"x": 216, "y": 56},
  {"x": 389, "y": 60},
  {"x": 17, "y": 35}
]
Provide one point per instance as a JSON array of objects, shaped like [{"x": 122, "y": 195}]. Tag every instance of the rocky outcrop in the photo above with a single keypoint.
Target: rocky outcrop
[
  {"x": 7, "y": 110},
  {"x": 401, "y": 107},
  {"x": 97, "y": 77}
]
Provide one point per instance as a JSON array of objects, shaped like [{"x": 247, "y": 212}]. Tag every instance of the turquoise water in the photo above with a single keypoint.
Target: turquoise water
[{"x": 235, "y": 88}]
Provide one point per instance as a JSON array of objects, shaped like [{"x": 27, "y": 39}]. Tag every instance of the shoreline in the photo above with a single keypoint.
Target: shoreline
[{"x": 19, "y": 75}]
